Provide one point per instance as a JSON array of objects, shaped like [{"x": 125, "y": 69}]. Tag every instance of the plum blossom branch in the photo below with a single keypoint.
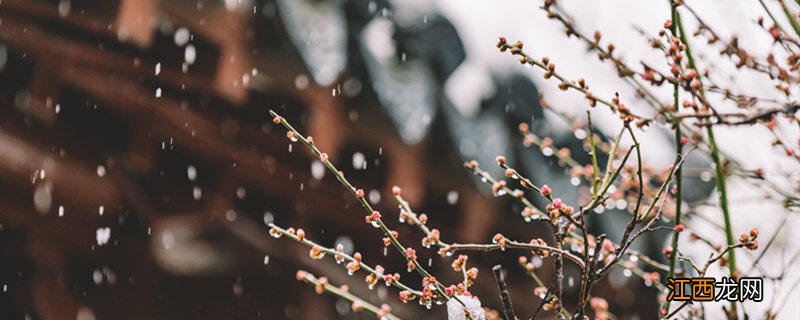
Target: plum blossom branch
[
  {"x": 354, "y": 262},
  {"x": 580, "y": 85},
  {"x": 373, "y": 216},
  {"x": 503, "y": 243},
  {"x": 321, "y": 286}
]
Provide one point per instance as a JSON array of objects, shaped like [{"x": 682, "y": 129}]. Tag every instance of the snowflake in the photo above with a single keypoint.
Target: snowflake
[{"x": 455, "y": 311}]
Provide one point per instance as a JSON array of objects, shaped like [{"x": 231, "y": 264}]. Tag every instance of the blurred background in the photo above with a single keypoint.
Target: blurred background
[{"x": 139, "y": 164}]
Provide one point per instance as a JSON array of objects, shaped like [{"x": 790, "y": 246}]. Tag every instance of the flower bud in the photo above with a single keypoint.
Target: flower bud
[
  {"x": 411, "y": 254},
  {"x": 319, "y": 288},
  {"x": 316, "y": 252},
  {"x": 545, "y": 190}
]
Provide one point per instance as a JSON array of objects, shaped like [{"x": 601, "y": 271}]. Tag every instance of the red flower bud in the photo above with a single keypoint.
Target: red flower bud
[{"x": 545, "y": 190}]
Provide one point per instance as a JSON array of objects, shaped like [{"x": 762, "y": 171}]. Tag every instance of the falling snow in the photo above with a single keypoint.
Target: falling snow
[{"x": 103, "y": 235}]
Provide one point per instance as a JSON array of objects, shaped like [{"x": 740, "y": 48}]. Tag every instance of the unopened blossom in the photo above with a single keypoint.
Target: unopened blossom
[
  {"x": 373, "y": 217},
  {"x": 426, "y": 297},
  {"x": 541, "y": 243},
  {"x": 462, "y": 290},
  {"x": 406, "y": 296},
  {"x": 556, "y": 204},
  {"x": 667, "y": 251},
  {"x": 598, "y": 303},
  {"x": 354, "y": 265},
  {"x": 316, "y": 252},
  {"x": 528, "y": 213},
  {"x": 340, "y": 250},
  {"x": 387, "y": 241},
  {"x": 499, "y": 185},
  {"x": 275, "y": 233},
  {"x": 449, "y": 291},
  {"x": 319, "y": 288},
  {"x": 472, "y": 274},
  {"x": 651, "y": 277},
  {"x": 545, "y": 190},
  {"x": 411, "y": 254},
  {"x": 600, "y": 307},
  {"x": 405, "y": 217},
  {"x": 554, "y": 214},
  {"x": 500, "y": 240},
  {"x": 744, "y": 238},
  {"x": 391, "y": 278},
  {"x": 431, "y": 239},
  {"x": 550, "y": 304},
  {"x": 458, "y": 264},
  {"x": 371, "y": 280}
]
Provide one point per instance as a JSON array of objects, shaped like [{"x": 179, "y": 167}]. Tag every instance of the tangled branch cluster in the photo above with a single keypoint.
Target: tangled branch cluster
[{"x": 652, "y": 196}]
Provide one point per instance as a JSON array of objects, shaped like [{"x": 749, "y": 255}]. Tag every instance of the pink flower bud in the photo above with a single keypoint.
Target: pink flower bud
[
  {"x": 545, "y": 190},
  {"x": 411, "y": 254}
]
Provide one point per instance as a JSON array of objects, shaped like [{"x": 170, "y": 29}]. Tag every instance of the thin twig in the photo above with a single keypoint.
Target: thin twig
[
  {"x": 321, "y": 284},
  {"x": 505, "y": 297}
]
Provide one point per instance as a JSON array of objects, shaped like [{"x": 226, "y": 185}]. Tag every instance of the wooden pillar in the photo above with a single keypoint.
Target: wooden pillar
[
  {"x": 136, "y": 20},
  {"x": 234, "y": 59},
  {"x": 44, "y": 92}
]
